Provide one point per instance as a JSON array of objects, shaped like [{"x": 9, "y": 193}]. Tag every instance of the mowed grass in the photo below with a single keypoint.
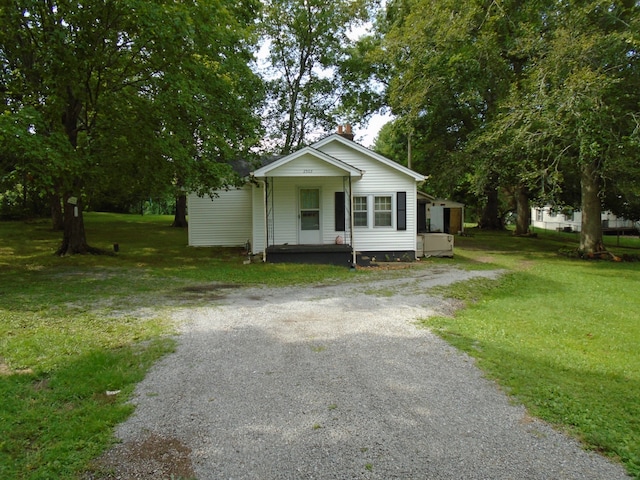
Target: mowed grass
[
  {"x": 77, "y": 333},
  {"x": 561, "y": 335}
]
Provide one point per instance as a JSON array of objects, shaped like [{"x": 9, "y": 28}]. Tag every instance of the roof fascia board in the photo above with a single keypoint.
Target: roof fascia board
[{"x": 263, "y": 171}]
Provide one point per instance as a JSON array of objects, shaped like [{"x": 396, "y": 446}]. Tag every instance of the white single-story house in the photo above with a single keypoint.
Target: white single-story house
[
  {"x": 334, "y": 201},
  {"x": 548, "y": 218}
]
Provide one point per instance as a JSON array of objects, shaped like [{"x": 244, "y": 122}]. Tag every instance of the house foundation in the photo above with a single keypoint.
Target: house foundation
[{"x": 341, "y": 255}]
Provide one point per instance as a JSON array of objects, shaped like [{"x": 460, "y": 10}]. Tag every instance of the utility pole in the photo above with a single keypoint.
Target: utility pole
[{"x": 409, "y": 148}]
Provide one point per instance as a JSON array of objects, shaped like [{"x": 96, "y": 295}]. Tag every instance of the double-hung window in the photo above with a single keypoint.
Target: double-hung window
[
  {"x": 360, "y": 212},
  {"x": 539, "y": 214},
  {"x": 373, "y": 211},
  {"x": 382, "y": 216}
]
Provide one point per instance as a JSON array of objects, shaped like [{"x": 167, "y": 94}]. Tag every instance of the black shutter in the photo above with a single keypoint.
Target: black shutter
[
  {"x": 339, "y": 213},
  {"x": 401, "y": 211}
]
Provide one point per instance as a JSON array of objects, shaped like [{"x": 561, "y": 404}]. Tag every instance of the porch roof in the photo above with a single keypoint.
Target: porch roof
[{"x": 308, "y": 162}]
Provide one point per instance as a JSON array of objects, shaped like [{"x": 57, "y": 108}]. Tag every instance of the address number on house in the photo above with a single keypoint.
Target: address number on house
[{"x": 307, "y": 170}]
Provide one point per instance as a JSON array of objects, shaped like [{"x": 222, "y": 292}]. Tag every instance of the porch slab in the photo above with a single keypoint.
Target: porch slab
[{"x": 312, "y": 254}]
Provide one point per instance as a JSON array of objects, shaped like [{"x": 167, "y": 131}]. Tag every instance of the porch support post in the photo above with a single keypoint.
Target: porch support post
[
  {"x": 351, "y": 224},
  {"x": 266, "y": 219}
]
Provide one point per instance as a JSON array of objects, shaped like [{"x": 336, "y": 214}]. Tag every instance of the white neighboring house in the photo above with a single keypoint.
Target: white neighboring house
[
  {"x": 548, "y": 219},
  {"x": 332, "y": 202}
]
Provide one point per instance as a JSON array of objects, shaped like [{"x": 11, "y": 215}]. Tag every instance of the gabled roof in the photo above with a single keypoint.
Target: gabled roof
[
  {"x": 317, "y": 154},
  {"x": 364, "y": 150}
]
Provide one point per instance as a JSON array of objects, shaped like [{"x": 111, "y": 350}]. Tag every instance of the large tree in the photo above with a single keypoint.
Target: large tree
[
  {"x": 127, "y": 91},
  {"x": 449, "y": 65},
  {"x": 306, "y": 40},
  {"x": 574, "y": 114},
  {"x": 590, "y": 83},
  {"x": 526, "y": 97}
]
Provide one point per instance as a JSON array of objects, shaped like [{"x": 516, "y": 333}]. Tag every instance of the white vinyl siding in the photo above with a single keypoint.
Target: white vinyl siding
[
  {"x": 239, "y": 215},
  {"x": 306, "y": 166},
  {"x": 547, "y": 219},
  {"x": 379, "y": 180},
  {"x": 224, "y": 221}
]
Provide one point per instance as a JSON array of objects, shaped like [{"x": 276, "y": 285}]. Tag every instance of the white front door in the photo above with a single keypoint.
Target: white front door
[{"x": 309, "y": 224}]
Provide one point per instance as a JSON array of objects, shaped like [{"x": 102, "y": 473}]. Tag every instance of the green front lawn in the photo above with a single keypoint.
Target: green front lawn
[
  {"x": 77, "y": 333},
  {"x": 74, "y": 330},
  {"x": 561, "y": 335}
]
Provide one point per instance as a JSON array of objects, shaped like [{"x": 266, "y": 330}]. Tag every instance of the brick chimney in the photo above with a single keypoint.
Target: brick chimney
[{"x": 346, "y": 131}]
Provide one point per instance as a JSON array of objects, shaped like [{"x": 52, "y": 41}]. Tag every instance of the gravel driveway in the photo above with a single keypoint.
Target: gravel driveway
[{"x": 333, "y": 382}]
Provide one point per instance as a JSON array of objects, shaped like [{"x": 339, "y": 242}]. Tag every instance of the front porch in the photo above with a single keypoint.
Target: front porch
[{"x": 332, "y": 254}]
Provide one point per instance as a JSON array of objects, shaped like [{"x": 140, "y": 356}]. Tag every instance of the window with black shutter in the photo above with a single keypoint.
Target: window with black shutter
[
  {"x": 340, "y": 212},
  {"x": 401, "y": 211}
]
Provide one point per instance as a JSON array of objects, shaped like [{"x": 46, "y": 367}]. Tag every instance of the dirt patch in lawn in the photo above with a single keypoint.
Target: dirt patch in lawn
[
  {"x": 209, "y": 291},
  {"x": 153, "y": 457},
  {"x": 208, "y": 287},
  {"x": 6, "y": 370}
]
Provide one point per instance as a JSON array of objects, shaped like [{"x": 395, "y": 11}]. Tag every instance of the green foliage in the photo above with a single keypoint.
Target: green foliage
[
  {"x": 560, "y": 335},
  {"x": 306, "y": 41},
  {"x": 364, "y": 73},
  {"x": 514, "y": 98},
  {"x": 448, "y": 68},
  {"x": 126, "y": 99},
  {"x": 392, "y": 142}
]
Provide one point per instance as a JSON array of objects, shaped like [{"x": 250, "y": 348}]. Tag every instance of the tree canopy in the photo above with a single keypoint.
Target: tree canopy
[
  {"x": 126, "y": 96},
  {"x": 536, "y": 100},
  {"x": 306, "y": 41},
  {"x": 512, "y": 101}
]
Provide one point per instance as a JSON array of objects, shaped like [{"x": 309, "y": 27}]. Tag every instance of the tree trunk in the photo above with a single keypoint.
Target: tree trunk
[
  {"x": 180, "y": 218},
  {"x": 73, "y": 238},
  {"x": 57, "y": 219},
  {"x": 591, "y": 228},
  {"x": 490, "y": 219},
  {"x": 523, "y": 210}
]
